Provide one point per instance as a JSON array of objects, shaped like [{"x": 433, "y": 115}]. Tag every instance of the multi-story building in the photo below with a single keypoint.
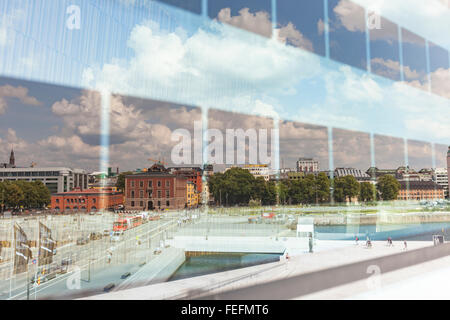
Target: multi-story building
[
  {"x": 191, "y": 195},
  {"x": 357, "y": 173},
  {"x": 259, "y": 170},
  {"x": 420, "y": 190},
  {"x": 307, "y": 165},
  {"x": 155, "y": 189},
  {"x": 448, "y": 170},
  {"x": 440, "y": 176},
  {"x": 86, "y": 200},
  {"x": 193, "y": 174},
  {"x": 56, "y": 179}
]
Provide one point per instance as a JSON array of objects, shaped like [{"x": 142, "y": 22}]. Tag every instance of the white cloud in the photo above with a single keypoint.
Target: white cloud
[
  {"x": 11, "y": 92},
  {"x": 258, "y": 22},
  {"x": 350, "y": 16},
  {"x": 215, "y": 58},
  {"x": 289, "y": 34}
]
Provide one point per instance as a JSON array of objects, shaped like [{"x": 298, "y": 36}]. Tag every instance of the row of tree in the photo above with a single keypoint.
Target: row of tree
[
  {"x": 23, "y": 194},
  {"x": 238, "y": 187}
]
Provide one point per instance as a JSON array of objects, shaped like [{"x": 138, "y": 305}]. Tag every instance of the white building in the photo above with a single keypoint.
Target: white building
[
  {"x": 307, "y": 165},
  {"x": 56, "y": 179},
  {"x": 440, "y": 176}
]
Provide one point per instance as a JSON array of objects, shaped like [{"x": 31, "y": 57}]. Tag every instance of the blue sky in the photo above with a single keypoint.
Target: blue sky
[{"x": 156, "y": 51}]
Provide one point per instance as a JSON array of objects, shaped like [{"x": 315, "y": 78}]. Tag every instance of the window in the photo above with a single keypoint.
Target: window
[
  {"x": 167, "y": 194},
  {"x": 132, "y": 193},
  {"x": 132, "y": 203},
  {"x": 132, "y": 183},
  {"x": 159, "y": 193},
  {"x": 141, "y": 203},
  {"x": 150, "y": 184},
  {"x": 141, "y": 184},
  {"x": 168, "y": 203},
  {"x": 141, "y": 194},
  {"x": 159, "y": 183},
  {"x": 150, "y": 193},
  {"x": 167, "y": 184}
]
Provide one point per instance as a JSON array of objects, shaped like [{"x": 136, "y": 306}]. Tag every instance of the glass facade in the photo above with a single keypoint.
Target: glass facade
[{"x": 249, "y": 88}]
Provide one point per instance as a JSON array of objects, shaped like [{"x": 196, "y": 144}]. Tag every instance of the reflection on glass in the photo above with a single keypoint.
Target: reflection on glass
[
  {"x": 236, "y": 139},
  {"x": 190, "y": 5},
  {"x": 61, "y": 127},
  {"x": 419, "y": 155},
  {"x": 142, "y": 129},
  {"x": 384, "y": 50},
  {"x": 300, "y": 140},
  {"x": 301, "y": 24},
  {"x": 250, "y": 15},
  {"x": 439, "y": 70},
  {"x": 414, "y": 60},
  {"x": 347, "y": 33}
]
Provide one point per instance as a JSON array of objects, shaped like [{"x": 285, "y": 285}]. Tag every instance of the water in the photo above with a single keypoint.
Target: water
[
  {"x": 207, "y": 264},
  {"x": 411, "y": 231}
]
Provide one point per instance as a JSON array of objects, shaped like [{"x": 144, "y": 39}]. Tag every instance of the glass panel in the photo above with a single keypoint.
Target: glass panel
[
  {"x": 250, "y": 15},
  {"x": 301, "y": 24},
  {"x": 439, "y": 70},
  {"x": 384, "y": 50},
  {"x": 414, "y": 60},
  {"x": 347, "y": 33}
]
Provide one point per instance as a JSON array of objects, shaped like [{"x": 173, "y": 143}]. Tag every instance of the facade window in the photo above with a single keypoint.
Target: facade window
[
  {"x": 159, "y": 183},
  {"x": 94, "y": 200},
  {"x": 57, "y": 200},
  {"x": 159, "y": 193},
  {"x": 132, "y": 203},
  {"x": 150, "y": 184},
  {"x": 132, "y": 193},
  {"x": 167, "y": 184},
  {"x": 159, "y": 203},
  {"x": 141, "y": 204},
  {"x": 150, "y": 193},
  {"x": 167, "y": 194},
  {"x": 132, "y": 183},
  {"x": 168, "y": 203},
  {"x": 141, "y": 193},
  {"x": 141, "y": 184}
]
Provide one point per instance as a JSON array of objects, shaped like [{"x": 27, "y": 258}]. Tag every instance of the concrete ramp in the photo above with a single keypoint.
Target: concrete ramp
[{"x": 159, "y": 269}]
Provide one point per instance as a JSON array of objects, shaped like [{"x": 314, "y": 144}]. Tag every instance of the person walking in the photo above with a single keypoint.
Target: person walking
[
  {"x": 405, "y": 245},
  {"x": 356, "y": 240}
]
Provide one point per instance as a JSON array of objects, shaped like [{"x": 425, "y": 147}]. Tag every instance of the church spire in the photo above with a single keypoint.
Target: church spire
[{"x": 12, "y": 160}]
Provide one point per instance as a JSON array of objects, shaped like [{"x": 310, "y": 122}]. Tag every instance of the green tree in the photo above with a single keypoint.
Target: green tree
[
  {"x": 44, "y": 196},
  {"x": 367, "y": 192},
  {"x": 388, "y": 187},
  {"x": 322, "y": 187},
  {"x": 345, "y": 188},
  {"x": 13, "y": 195},
  {"x": 120, "y": 183}
]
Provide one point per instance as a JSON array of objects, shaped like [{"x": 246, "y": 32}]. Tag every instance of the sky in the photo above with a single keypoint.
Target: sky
[{"x": 228, "y": 59}]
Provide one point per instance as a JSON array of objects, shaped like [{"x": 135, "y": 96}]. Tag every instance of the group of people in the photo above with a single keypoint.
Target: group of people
[{"x": 389, "y": 240}]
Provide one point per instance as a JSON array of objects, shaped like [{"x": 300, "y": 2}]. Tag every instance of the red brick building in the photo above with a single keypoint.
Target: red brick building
[
  {"x": 86, "y": 200},
  {"x": 420, "y": 190},
  {"x": 193, "y": 174},
  {"x": 156, "y": 189}
]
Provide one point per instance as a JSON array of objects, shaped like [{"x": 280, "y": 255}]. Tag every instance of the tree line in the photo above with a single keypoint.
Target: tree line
[
  {"x": 238, "y": 186},
  {"x": 23, "y": 194}
]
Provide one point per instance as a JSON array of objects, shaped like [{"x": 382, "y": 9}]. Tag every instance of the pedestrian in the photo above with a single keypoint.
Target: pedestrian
[
  {"x": 389, "y": 241},
  {"x": 406, "y": 246},
  {"x": 356, "y": 240}
]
